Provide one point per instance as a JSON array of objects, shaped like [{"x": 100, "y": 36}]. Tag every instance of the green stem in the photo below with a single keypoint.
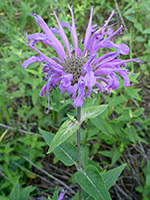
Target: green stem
[
  {"x": 87, "y": 132},
  {"x": 78, "y": 144}
]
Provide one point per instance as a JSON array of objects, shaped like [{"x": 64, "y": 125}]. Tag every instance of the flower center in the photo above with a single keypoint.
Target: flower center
[{"x": 74, "y": 66}]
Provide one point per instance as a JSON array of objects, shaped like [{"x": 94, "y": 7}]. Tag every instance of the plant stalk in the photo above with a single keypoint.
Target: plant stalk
[{"x": 78, "y": 144}]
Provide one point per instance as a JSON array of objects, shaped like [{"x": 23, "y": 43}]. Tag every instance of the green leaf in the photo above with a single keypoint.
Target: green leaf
[
  {"x": 25, "y": 192},
  {"x": 138, "y": 26},
  {"x": 105, "y": 153},
  {"x": 32, "y": 71},
  {"x": 66, "y": 152},
  {"x": 139, "y": 189},
  {"x": 92, "y": 112},
  {"x": 15, "y": 193},
  {"x": 148, "y": 180},
  {"x": 140, "y": 39},
  {"x": 111, "y": 176},
  {"x": 92, "y": 182},
  {"x": 103, "y": 125},
  {"x": 55, "y": 195},
  {"x": 35, "y": 96},
  {"x": 4, "y": 109},
  {"x": 23, "y": 21},
  {"x": 116, "y": 100},
  {"x": 84, "y": 156},
  {"x": 67, "y": 129},
  {"x": 132, "y": 92},
  {"x": 130, "y": 18},
  {"x": 76, "y": 197},
  {"x": 129, "y": 11},
  {"x": 142, "y": 140},
  {"x": 116, "y": 155},
  {"x": 71, "y": 118},
  {"x": 4, "y": 198},
  {"x": 138, "y": 112},
  {"x": 85, "y": 196},
  {"x": 146, "y": 31},
  {"x": 131, "y": 133}
]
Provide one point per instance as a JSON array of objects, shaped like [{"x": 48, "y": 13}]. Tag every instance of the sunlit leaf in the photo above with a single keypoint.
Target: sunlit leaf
[
  {"x": 111, "y": 176},
  {"x": 92, "y": 112},
  {"x": 67, "y": 129},
  {"x": 15, "y": 193},
  {"x": 66, "y": 152},
  {"x": 92, "y": 182}
]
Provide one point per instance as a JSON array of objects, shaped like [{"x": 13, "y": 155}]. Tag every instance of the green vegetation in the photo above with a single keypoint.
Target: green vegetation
[{"x": 120, "y": 135}]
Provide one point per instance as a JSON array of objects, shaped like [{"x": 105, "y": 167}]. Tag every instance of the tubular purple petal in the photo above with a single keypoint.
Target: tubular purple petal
[
  {"x": 87, "y": 66},
  {"x": 113, "y": 81},
  {"x": 103, "y": 71},
  {"x": 90, "y": 81},
  {"x": 39, "y": 37},
  {"x": 81, "y": 85},
  {"x": 99, "y": 59},
  {"x": 66, "y": 24},
  {"x": 104, "y": 43},
  {"x": 45, "y": 58},
  {"x": 74, "y": 91},
  {"x": 66, "y": 83},
  {"x": 50, "y": 83},
  {"x": 56, "y": 43},
  {"x": 56, "y": 59},
  {"x": 109, "y": 60},
  {"x": 43, "y": 90},
  {"x": 122, "y": 62},
  {"x": 109, "y": 31},
  {"x": 88, "y": 33},
  {"x": 32, "y": 60},
  {"x": 101, "y": 30},
  {"x": 100, "y": 86},
  {"x": 123, "y": 48},
  {"x": 64, "y": 37},
  {"x": 73, "y": 32},
  {"x": 124, "y": 74}
]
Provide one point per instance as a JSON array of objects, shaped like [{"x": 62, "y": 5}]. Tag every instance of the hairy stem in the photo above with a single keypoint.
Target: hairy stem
[{"x": 78, "y": 144}]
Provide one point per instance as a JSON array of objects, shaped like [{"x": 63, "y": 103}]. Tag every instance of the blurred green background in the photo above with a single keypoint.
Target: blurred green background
[{"x": 123, "y": 135}]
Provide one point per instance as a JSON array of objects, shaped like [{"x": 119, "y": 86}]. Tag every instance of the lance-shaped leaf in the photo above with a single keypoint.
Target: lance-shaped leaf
[
  {"x": 92, "y": 182},
  {"x": 67, "y": 129},
  {"x": 92, "y": 111},
  {"x": 111, "y": 176},
  {"x": 15, "y": 193},
  {"x": 66, "y": 152}
]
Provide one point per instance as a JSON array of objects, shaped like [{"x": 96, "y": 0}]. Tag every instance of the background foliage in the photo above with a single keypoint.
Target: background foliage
[{"x": 120, "y": 135}]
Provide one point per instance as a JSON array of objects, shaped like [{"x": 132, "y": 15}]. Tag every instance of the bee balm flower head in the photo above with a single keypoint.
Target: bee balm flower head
[{"x": 79, "y": 72}]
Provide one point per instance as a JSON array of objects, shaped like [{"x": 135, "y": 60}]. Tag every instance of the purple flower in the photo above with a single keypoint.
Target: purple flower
[
  {"x": 79, "y": 72},
  {"x": 61, "y": 195}
]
